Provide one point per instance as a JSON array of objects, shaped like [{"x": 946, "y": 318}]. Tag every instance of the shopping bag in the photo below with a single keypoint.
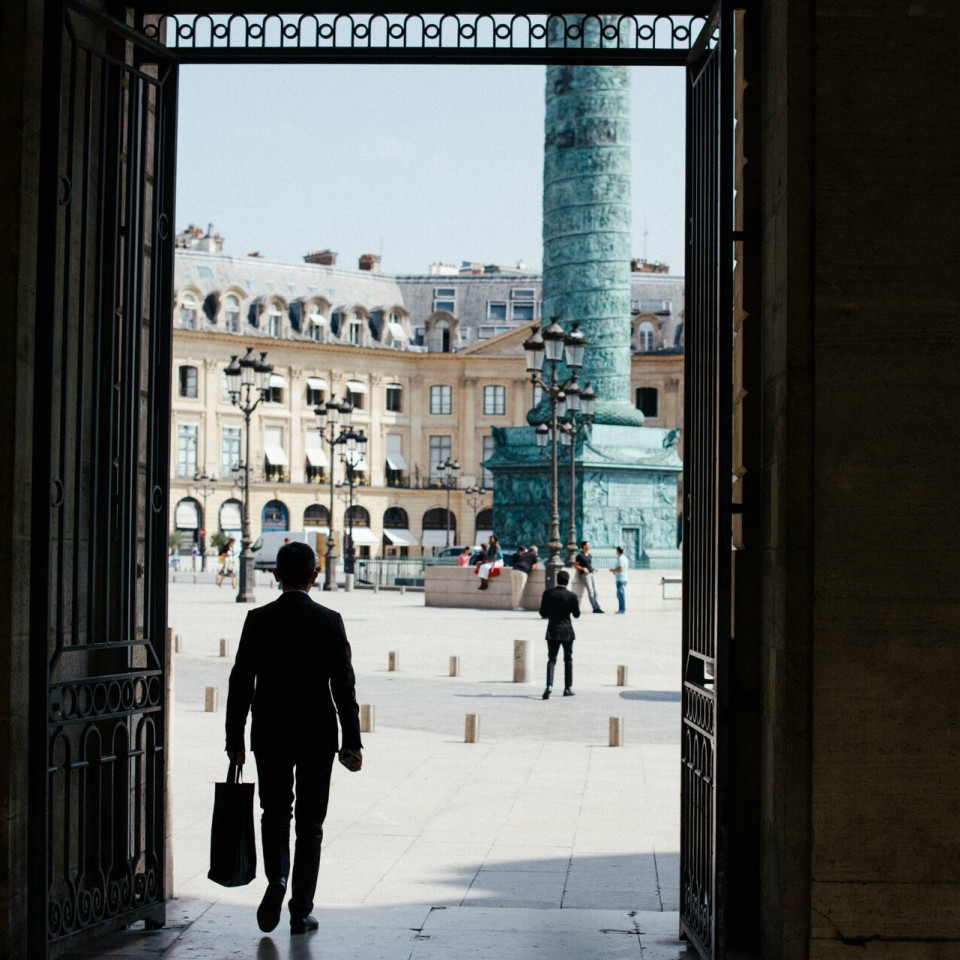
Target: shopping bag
[{"x": 233, "y": 848}]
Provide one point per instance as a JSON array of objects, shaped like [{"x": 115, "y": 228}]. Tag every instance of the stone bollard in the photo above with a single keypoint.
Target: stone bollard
[
  {"x": 176, "y": 643},
  {"x": 616, "y": 731},
  {"x": 621, "y": 676},
  {"x": 367, "y": 718},
  {"x": 471, "y": 732},
  {"x": 521, "y": 671},
  {"x": 348, "y": 581},
  {"x": 171, "y": 642},
  {"x": 403, "y": 589},
  {"x": 194, "y": 578},
  {"x": 224, "y": 648},
  {"x": 376, "y": 586},
  {"x": 393, "y": 661},
  {"x": 454, "y": 666},
  {"x": 211, "y": 699}
]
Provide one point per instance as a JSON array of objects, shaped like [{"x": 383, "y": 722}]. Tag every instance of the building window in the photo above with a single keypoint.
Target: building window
[
  {"x": 316, "y": 469},
  {"x": 315, "y": 394},
  {"x": 225, "y": 387},
  {"x": 523, "y": 312},
  {"x": 231, "y": 314},
  {"x": 537, "y": 394},
  {"x": 187, "y": 449},
  {"x": 275, "y": 516},
  {"x": 273, "y": 320},
  {"x": 394, "y": 398},
  {"x": 356, "y": 329},
  {"x": 274, "y": 455},
  {"x": 316, "y": 515},
  {"x": 496, "y": 310},
  {"x": 486, "y": 453},
  {"x": 188, "y": 311},
  {"x": 440, "y": 448},
  {"x": 229, "y": 451},
  {"x": 646, "y": 337},
  {"x": 634, "y": 306},
  {"x": 355, "y": 393},
  {"x": 662, "y": 308},
  {"x": 418, "y": 334},
  {"x": 445, "y": 298},
  {"x": 648, "y": 401},
  {"x": 494, "y": 401},
  {"x": 275, "y": 389},
  {"x": 523, "y": 293},
  {"x": 396, "y": 466},
  {"x": 441, "y": 400},
  {"x": 188, "y": 382}
]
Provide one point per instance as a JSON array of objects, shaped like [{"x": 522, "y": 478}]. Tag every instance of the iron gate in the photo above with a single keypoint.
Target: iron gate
[
  {"x": 98, "y": 575},
  {"x": 708, "y": 336}
]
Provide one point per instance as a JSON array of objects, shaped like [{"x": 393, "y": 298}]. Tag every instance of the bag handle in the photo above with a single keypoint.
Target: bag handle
[{"x": 235, "y": 773}]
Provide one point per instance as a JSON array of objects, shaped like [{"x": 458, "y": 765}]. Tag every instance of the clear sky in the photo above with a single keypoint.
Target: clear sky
[{"x": 421, "y": 163}]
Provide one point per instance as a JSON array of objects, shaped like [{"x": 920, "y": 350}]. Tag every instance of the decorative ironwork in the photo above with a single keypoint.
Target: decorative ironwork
[
  {"x": 707, "y": 476},
  {"x": 101, "y": 444},
  {"x": 619, "y": 38}
]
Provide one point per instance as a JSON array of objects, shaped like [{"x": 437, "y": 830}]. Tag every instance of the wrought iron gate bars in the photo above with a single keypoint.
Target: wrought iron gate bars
[
  {"x": 101, "y": 447},
  {"x": 635, "y": 38},
  {"x": 708, "y": 332}
]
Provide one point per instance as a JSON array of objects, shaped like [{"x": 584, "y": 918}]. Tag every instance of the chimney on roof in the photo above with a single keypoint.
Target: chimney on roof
[
  {"x": 648, "y": 266},
  {"x": 370, "y": 261},
  {"x": 327, "y": 258}
]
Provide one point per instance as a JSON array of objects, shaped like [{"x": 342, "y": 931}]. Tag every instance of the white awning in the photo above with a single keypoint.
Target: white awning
[
  {"x": 316, "y": 383},
  {"x": 356, "y": 386},
  {"x": 317, "y": 319},
  {"x": 316, "y": 457},
  {"x": 484, "y": 535},
  {"x": 400, "y": 538},
  {"x": 230, "y": 518},
  {"x": 276, "y": 456},
  {"x": 396, "y": 331},
  {"x": 438, "y": 538},
  {"x": 276, "y": 380},
  {"x": 363, "y": 536},
  {"x": 188, "y": 515},
  {"x": 395, "y": 461},
  {"x": 324, "y": 531}
]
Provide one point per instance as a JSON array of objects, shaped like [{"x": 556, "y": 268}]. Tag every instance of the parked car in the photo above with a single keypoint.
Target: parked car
[{"x": 265, "y": 558}]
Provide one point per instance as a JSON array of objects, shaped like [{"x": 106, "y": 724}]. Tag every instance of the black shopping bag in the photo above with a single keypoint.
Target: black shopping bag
[{"x": 233, "y": 848}]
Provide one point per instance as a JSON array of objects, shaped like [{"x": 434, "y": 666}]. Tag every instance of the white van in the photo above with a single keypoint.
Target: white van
[{"x": 272, "y": 540}]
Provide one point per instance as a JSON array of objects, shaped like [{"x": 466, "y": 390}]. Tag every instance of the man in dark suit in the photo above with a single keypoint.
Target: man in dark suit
[
  {"x": 293, "y": 666},
  {"x": 558, "y": 605}
]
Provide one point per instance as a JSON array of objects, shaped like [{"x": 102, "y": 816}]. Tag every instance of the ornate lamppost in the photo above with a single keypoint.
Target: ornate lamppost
[
  {"x": 475, "y": 497},
  {"x": 333, "y": 420},
  {"x": 205, "y": 485},
  {"x": 448, "y": 471},
  {"x": 544, "y": 352},
  {"x": 248, "y": 381},
  {"x": 356, "y": 444},
  {"x": 581, "y": 405}
]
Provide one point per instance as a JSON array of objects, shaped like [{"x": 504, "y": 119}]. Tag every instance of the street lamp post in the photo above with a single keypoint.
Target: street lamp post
[
  {"x": 549, "y": 348},
  {"x": 205, "y": 485},
  {"x": 333, "y": 419},
  {"x": 448, "y": 471},
  {"x": 356, "y": 444},
  {"x": 248, "y": 380},
  {"x": 584, "y": 403},
  {"x": 475, "y": 497}
]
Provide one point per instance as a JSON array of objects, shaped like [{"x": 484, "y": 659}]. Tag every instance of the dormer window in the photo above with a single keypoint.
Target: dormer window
[
  {"x": 356, "y": 329},
  {"x": 231, "y": 314},
  {"x": 188, "y": 311},
  {"x": 274, "y": 315}
]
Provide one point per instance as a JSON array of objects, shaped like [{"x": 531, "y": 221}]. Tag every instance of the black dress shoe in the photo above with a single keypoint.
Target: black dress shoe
[
  {"x": 568, "y": 693},
  {"x": 598, "y": 610},
  {"x": 546, "y": 694},
  {"x": 268, "y": 914},
  {"x": 304, "y": 924}
]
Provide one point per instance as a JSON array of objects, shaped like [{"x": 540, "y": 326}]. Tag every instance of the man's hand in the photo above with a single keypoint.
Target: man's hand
[
  {"x": 351, "y": 759},
  {"x": 237, "y": 756}
]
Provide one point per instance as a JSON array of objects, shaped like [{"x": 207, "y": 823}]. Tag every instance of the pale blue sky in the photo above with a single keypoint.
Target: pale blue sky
[{"x": 428, "y": 162}]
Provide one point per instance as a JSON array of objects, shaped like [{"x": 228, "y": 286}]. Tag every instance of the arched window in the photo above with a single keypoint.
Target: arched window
[
  {"x": 188, "y": 311},
  {"x": 274, "y": 317},
  {"x": 484, "y": 525},
  {"x": 396, "y": 517},
  {"x": 275, "y": 516},
  {"x": 436, "y": 519},
  {"x": 186, "y": 519},
  {"x": 231, "y": 313},
  {"x": 646, "y": 337},
  {"x": 356, "y": 516},
  {"x": 316, "y": 515},
  {"x": 316, "y": 322},
  {"x": 231, "y": 518}
]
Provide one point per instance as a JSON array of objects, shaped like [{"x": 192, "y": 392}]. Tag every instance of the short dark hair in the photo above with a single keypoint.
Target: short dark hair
[
  {"x": 563, "y": 578},
  {"x": 619, "y": 549},
  {"x": 583, "y": 544},
  {"x": 296, "y": 561}
]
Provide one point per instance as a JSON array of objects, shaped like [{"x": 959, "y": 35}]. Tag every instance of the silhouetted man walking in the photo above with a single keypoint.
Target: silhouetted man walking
[
  {"x": 293, "y": 666},
  {"x": 558, "y": 605}
]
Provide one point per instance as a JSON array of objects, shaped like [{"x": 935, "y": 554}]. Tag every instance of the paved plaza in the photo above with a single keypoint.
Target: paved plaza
[{"x": 538, "y": 841}]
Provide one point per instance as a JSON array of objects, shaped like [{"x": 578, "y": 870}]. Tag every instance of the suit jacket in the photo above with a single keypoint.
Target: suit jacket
[
  {"x": 558, "y": 605},
  {"x": 293, "y": 669}
]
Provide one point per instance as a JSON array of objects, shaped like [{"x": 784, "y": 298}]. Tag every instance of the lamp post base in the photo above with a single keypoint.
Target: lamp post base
[
  {"x": 552, "y": 567},
  {"x": 245, "y": 593},
  {"x": 330, "y": 572}
]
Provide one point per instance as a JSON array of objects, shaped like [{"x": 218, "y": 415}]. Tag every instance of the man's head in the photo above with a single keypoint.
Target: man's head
[
  {"x": 534, "y": 549},
  {"x": 521, "y": 548},
  {"x": 296, "y": 565},
  {"x": 585, "y": 546},
  {"x": 619, "y": 551},
  {"x": 563, "y": 578}
]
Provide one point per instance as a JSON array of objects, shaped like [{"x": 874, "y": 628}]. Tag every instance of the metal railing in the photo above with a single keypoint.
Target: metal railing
[{"x": 391, "y": 571}]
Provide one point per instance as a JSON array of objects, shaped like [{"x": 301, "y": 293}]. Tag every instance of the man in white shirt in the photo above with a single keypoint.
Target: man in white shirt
[{"x": 620, "y": 573}]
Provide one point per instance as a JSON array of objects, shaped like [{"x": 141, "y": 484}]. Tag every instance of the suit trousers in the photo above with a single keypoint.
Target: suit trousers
[
  {"x": 554, "y": 643},
  {"x": 277, "y": 772}
]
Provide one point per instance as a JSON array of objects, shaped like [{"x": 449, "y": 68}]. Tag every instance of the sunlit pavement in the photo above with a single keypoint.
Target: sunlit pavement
[{"x": 538, "y": 841}]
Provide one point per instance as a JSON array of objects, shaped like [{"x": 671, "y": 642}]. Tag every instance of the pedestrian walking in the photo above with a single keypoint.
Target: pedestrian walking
[
  {"x": 293, "y": 666},
  {"x": 583, "y": 563},
  {"x": 557, "y": 606},
  {"x": 620, "y": 575},
  {"x": 228, "y": 564}
]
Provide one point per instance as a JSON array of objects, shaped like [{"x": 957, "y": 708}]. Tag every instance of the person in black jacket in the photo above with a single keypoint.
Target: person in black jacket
[
  {"x": 293, "y": 668},
  {"x": 558, "y": 605}
]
